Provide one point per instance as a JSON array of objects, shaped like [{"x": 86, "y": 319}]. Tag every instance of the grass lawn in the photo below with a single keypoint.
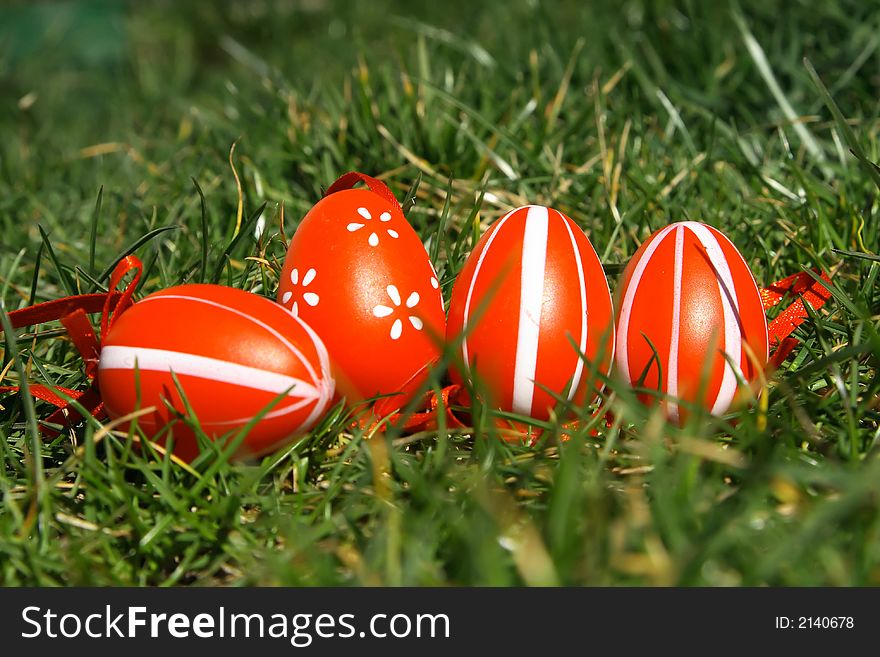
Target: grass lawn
[{"x": 625, "y": 115}]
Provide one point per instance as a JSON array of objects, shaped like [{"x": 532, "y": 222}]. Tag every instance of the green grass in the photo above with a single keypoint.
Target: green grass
[{"x": 624, "y": 115}]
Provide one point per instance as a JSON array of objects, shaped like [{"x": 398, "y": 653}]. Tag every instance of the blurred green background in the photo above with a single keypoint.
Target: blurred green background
[
  {"x": 625, "y": 114},
  {"x": 141, "y": 96}
]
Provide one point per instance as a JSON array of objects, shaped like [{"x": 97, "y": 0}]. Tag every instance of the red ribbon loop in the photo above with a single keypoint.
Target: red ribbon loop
[
  {"x": 112, "y": 308},
  {"x": 71, "y": 312},
  {"x": 350, "y": 179}
]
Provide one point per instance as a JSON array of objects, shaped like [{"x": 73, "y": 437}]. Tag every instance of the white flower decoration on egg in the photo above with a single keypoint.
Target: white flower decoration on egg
[
  {"x": 386, "y": 311},
  {"x": 434, "y": 282},
  {"x": 310, "y": 298},
  {"x": 365, "y": 216}
]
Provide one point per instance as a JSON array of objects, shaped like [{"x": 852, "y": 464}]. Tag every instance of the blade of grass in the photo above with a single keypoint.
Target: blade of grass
[
  {"x": 246, "y": 230},
  {"x": 33, "y": 449},
  {"x": 203, "y": 269},
  {"x": 843, "y": 125},
  {"x": 66, "y": 281},
  {"x": 134, "y": 246},
  {"x": 35, "y": 279},
  {"x": 760, "y": 58},
  {"x": 93, "y": 230}
]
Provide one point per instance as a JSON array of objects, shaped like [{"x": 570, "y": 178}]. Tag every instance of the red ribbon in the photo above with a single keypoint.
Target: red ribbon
[
  {"x": 424, "y": 420},
  {"x": 71, "y": 312},
  {"x": 350, "y": 179},
  {"x": 780, "y": 329}
]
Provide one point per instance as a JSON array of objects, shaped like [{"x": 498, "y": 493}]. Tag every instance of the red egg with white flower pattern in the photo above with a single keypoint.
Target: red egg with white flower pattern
[
  {"x": 236, "y": 356},
  {"x": 690, "y": 321},
  {"x": 531, "y": 311},
  {"x": 358, "y": 273}
]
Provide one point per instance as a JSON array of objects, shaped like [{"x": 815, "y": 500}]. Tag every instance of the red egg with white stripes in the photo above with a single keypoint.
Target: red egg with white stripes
[
  {"x": 529, "y": 310},
  {"x": 688, "y": 292},
  {"x": 358, "y": 273},
  {"x": 236, "y": 356}
]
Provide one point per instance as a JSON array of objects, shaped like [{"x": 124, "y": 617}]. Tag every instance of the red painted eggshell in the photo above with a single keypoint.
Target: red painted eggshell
[
  {"x": 359, "y": 275},
  {"x": 689, "y": 292},
  {"x": 530, "y": 297},
  {"x": 233, "y": 352}
]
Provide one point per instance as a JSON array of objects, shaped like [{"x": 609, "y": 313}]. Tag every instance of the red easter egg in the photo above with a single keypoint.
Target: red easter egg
[
  {"x": 689, "y": 292},
  {"x": 359, "y": 275},
  {"x": 530, "y": 297},
  {"x": 233, "y": 353}
]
